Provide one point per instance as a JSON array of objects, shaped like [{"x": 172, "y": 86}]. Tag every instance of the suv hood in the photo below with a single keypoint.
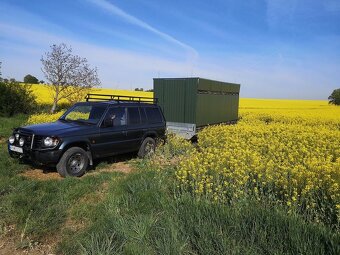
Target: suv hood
[{"x": 59, "y": 128}]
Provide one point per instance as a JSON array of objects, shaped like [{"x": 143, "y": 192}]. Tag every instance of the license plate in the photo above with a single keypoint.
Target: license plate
[{"x": 16, "y": 149}]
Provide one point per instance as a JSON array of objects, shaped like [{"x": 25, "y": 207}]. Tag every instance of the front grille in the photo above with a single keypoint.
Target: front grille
[{"x": 37, "y": 143}]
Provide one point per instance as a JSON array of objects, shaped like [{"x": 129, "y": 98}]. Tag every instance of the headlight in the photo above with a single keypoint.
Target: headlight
[
  {"x": 17, "y": 137},
  {"x": 51, "y": 141},
  {"x": 21, "y": 141},
  {"x": 11, "y": 139}
]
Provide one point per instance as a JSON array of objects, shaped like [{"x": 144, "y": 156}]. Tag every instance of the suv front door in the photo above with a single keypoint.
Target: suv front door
[{"x": 113, "y": 133}]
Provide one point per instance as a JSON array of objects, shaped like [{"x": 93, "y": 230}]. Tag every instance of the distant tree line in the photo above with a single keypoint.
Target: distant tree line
[
  {"x": 141, "y": 89},
  {"x": 334, "y": 98}
]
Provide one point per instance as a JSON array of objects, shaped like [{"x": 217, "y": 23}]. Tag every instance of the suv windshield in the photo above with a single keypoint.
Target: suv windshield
[{"x": 88, "y": 114}]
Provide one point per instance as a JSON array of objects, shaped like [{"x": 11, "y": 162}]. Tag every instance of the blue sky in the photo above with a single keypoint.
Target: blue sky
[{"x": 274, "y": 48}]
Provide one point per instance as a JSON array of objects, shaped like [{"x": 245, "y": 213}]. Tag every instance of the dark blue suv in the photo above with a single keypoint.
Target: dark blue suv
[{"x": 104, "y": 125}]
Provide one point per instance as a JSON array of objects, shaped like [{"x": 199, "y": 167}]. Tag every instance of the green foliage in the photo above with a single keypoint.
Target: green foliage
[
  {"x": 30, "y": 79},
  {"x": 334, "y": 98},
  {"x": 16, "y": 98}
]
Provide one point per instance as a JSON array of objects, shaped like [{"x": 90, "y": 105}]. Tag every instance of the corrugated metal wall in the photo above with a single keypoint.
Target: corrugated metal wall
[
  {"x": 177, "y": 98},
  {"x": 196, "y": 100}
]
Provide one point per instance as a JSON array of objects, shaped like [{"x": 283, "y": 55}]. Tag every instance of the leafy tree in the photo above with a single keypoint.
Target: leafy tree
[
  {"x": 334, "y": 98},
  {"x": 68, "y": 74},
  {"x": 30, "y": 79},
  {"x": 16, "y": 98},
  {"x": 42, "y": 82},
  {"x": 139, "y": 89}
]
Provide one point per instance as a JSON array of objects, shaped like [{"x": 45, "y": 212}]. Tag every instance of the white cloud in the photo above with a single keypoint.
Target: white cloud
[
  {"x": 115, "y": 65},
  {"x": 111, "y": 8}
]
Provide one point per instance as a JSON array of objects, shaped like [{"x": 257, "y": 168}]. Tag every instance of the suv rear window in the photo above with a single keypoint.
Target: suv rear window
[
  {"x": 134, "y": 117},
  {"x": 153, "y": 114},
  {"x": 143, "y": 115}
]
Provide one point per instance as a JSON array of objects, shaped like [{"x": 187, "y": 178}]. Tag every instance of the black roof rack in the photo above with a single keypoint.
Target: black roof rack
[{"x": 119, "y": 98}]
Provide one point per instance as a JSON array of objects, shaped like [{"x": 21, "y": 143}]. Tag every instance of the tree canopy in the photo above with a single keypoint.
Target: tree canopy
[
  {"x": 31, "y": 79},
  {"x": 334, "y": 98},
  {"x": 70, "y": 75}
]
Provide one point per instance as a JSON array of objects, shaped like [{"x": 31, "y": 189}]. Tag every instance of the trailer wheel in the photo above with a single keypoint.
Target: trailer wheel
[{"x": 147, "y": 148}]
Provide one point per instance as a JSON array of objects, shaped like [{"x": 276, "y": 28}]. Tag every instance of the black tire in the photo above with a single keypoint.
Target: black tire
[
  {"x": 147, "y": 148},
  {"x": 74, "y": 162}
]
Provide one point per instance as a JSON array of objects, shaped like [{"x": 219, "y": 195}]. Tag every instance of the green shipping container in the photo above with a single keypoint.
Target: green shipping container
[{"x": 197, "y": 101}]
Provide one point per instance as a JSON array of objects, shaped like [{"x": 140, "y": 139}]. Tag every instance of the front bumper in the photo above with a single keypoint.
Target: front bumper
[{"x": 45, "y": 157}]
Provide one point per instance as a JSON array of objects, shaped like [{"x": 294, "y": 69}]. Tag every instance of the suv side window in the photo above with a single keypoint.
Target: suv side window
[
  {"x": 115, "y": 117},
  {"x": 143, "y": 115},
  {"x": 134, "y": 116},
  {"x": 154, "y": 115}
]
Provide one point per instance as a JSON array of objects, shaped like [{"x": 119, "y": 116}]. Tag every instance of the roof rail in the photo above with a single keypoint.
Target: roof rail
[{"x": 119, "y": 98}]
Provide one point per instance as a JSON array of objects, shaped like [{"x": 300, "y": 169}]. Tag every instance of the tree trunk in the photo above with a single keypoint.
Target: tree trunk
[
  {"x": 54, "y": 106},
  {"x": 55, "y": 99}
]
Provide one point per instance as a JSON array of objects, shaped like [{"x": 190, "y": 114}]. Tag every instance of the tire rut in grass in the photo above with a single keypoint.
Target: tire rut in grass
[{"x": 51, "y": 174}]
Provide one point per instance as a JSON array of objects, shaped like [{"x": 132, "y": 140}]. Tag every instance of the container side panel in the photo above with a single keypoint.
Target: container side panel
[
  {"x": 213, "y": 109},
  {"x": 177, "y": 98},
  {"x": 197, "y": 101}
]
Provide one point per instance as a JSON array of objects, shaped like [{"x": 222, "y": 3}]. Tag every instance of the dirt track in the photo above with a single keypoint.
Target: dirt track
[{"x": 52, "y": 174}]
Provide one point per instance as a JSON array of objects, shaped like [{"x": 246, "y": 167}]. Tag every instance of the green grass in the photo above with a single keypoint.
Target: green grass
[
  {"x": 144, "y": 213},
  {"x": 7, "y": 124}
]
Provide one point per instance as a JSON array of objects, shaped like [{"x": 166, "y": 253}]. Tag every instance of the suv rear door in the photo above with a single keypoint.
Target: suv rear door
[
  {"x": 135, "y": 127},
  {"x": 156, "y": 122}
]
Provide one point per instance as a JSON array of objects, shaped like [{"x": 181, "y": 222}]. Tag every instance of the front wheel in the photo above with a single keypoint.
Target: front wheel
[
  {"x": 147, "y": 148},
  {"x": 74, "y": 162}
]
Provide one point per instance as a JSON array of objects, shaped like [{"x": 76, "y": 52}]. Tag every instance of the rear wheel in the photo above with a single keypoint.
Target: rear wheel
[
  {"x": 147, "y": 148},
  {"x": 74, "y": 162}
]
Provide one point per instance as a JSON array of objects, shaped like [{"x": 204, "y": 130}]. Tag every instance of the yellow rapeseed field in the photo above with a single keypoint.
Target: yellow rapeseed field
[
  {"x": 44, "y": 94},
  {"x": 281, "y": 151}
]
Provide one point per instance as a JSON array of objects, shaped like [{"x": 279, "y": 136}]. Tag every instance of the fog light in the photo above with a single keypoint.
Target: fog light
[
  {"x": 11, "y": 139},
  {"x": 21, "y": 142}
]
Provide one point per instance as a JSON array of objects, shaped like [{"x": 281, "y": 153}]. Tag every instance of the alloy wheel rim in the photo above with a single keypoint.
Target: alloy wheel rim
[
  {"x": 75, "y": 163},
  {"x": 149, "y": 148}
]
